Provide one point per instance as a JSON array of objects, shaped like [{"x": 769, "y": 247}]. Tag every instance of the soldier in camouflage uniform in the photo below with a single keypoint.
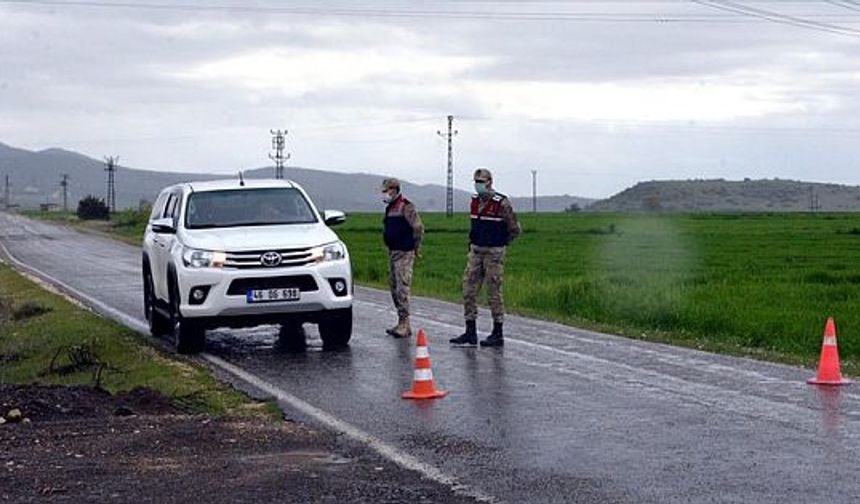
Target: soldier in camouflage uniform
[
  {"x": 403, "y": 232},
  {"x": 494, "y": 226}
]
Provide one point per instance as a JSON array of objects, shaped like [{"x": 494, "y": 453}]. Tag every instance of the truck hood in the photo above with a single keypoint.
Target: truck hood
[{"x": 259, "y": 237}]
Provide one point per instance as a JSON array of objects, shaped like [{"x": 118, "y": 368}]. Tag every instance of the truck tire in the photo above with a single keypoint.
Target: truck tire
[
  {"x": 190, "y": 338},
  {"x": 159, "y": 325},
  {"x": 336, "y": 328},
  {"x": 291, "y": 336}
]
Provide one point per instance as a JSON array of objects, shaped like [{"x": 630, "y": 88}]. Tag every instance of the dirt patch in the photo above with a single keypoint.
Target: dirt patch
[
  {"x": 43, "y": 403},
  {"x": 75, "y": 448},
  {"x": 28, "y": 310}
]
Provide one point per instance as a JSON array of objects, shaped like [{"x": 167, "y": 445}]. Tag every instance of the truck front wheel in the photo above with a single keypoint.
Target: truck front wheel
[
  {"x": 336, "y": 328},
  {"x": 190, "y": 337}
]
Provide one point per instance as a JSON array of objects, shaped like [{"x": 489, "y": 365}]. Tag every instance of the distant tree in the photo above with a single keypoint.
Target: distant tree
[
  {"x": 573, "y": 208},
  {"x": 91, "y": 208}
]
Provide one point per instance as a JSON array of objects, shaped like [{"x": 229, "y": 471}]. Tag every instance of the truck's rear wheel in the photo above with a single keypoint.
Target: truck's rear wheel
[{"x": 336, "y": 328}]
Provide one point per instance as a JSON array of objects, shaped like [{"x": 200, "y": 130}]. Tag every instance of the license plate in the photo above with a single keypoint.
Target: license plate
[{"x": 270, "y": 295}]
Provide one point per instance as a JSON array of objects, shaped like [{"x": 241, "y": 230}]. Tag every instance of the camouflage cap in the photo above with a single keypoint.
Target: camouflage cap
[
  {"x": 390, "y": 183},
  {"x": 483, "y": 174}
]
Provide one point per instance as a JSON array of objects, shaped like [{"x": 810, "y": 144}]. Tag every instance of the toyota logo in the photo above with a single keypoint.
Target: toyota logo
[{"x": 270, "y": 259}]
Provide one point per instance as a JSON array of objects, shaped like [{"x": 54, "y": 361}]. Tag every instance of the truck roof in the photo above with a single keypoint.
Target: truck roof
[{"x": 233, "y": 183}]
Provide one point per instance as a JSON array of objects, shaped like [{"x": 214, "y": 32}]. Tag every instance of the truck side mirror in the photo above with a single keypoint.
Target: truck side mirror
[
  {"x": 333, "y": 217},
  {"x": 163, "y": 225}
]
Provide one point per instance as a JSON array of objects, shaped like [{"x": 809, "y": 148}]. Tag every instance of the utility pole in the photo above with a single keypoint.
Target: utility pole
[
  {"x": 6, "y": 201},
  {"x": 111, "y": 162},
  {"x": 534, "y": 191},
  {"x": 65, "y": 185},
  {"x": 449, "y": 195},
  {"x": 814, "y": 204},
  {"x": 278, "y": 143}
]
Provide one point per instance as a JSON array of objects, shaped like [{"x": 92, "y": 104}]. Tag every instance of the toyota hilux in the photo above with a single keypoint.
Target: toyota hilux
[{"x": 241, "y": 253}]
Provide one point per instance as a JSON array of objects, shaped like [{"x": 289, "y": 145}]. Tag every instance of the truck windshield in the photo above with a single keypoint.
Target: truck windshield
[{"x": 247, "y": 207}]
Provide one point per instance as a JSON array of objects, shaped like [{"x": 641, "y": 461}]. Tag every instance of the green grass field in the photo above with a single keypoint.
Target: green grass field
[
  {"x": 759, "y": 285},
  {"x": 749, "y": 284}
]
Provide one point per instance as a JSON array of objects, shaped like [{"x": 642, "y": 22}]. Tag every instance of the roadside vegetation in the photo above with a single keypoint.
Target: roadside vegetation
[
  {"x": 759, "y": 285},
  {"x": 45, "y": 339},
  {"x": 126, "y": 225}
]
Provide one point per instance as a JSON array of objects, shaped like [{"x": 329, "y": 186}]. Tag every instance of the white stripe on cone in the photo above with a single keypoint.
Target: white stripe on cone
[
  {"x": 830, "y": 341},
  {"x": 423, "y": 374},
  {"x": 422, "y": 352}
]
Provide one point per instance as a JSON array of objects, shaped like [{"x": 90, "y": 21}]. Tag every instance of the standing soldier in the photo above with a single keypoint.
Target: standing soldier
[
  {"x": 403, "y": 234},
  {"x": 494, "y": 226}
]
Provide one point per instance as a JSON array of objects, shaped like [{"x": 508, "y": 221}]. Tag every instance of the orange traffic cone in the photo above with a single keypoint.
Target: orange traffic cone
[
  {"x": 828, "y": 367},
  {"x": 423, "y": 386}
]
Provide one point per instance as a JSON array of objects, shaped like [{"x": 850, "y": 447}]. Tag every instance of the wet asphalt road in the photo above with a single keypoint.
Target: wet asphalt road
[{"x": 559, "y": 415}]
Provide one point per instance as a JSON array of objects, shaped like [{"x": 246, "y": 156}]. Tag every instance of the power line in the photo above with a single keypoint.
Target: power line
[
  {"x": 6, "y": 202},
  {"x": 110, "y": 162},
  {"x": 684, "y": 126},
  {"x": 364, "y": 125},
  {"x": 278, "y": 143},
  {"x": 65, "y": 185},
  {"x": 449, "y": 193},
  {"x": 776, "y": 17},
  {"x": 614, "y": 17},
  {"x": 846, "y": 4}
]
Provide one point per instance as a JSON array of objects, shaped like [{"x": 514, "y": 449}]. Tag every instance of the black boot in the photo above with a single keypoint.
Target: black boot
[
  {"x": 470, "y": 337},
  {"x": 496, "y": 338}
]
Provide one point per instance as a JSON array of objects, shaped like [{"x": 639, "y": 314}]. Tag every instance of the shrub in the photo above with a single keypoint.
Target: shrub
[{"x": 91, "y": 208}]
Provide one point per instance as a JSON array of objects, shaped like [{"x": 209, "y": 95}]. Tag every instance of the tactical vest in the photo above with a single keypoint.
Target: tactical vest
[
  {"x": 398, "y": 233},
  {"x": 489, "y": 228}
]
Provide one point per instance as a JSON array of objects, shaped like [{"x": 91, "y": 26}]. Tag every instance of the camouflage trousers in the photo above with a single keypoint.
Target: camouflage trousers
[
  {"x": 400, "y": 279},
  {"x": 484, "y": 263}
]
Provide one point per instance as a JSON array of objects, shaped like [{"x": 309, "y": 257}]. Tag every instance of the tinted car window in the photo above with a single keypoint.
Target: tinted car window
[
  {"x": 168, "y": 209},
  {"x": 158, "y": 206},
  {"x": 247, "y": 207},
  {"x": 174, "y": 208}
]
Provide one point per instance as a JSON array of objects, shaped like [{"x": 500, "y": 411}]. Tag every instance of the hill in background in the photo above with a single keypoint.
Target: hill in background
[
  {"x": 767, "y": 195},
  {"x": 35, "y": 179}
]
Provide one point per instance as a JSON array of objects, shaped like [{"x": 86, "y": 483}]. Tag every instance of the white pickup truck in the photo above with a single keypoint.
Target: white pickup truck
[{"x": 240, "y": 253}]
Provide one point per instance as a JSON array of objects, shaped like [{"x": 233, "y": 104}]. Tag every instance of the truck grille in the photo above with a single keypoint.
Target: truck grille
[
  {"x": 253, "y": 259},
  {"x": 241, "y": 286}
]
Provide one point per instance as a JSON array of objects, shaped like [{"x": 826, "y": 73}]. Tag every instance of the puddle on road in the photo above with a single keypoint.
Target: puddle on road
[
  {"x": 831, "y": 408},
  {"x": 445, "y": 444},
  {"x": 262, "y": 339},
  {"x": 26, "y": 237}
]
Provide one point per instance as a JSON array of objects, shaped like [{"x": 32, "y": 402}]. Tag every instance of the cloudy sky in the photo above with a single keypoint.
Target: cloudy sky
[{"x": 594, "y": 95}]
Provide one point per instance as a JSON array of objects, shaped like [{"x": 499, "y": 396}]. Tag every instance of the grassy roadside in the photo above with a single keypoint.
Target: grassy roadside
[
  {"x": 125, "y": 225},
  {"x": 46, "y": 339}
]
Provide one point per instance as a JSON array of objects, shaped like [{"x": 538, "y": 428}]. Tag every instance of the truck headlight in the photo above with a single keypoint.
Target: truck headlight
[
  {"x": 194, "y": 258},
  {"x": 332, "y": 252}
]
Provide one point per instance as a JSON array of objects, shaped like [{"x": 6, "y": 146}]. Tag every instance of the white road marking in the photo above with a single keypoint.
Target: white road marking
[
  {"x": 678, "y": 356},
  {"x": 386, "y": 450},
  {"x": 660, "y": 385}
]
